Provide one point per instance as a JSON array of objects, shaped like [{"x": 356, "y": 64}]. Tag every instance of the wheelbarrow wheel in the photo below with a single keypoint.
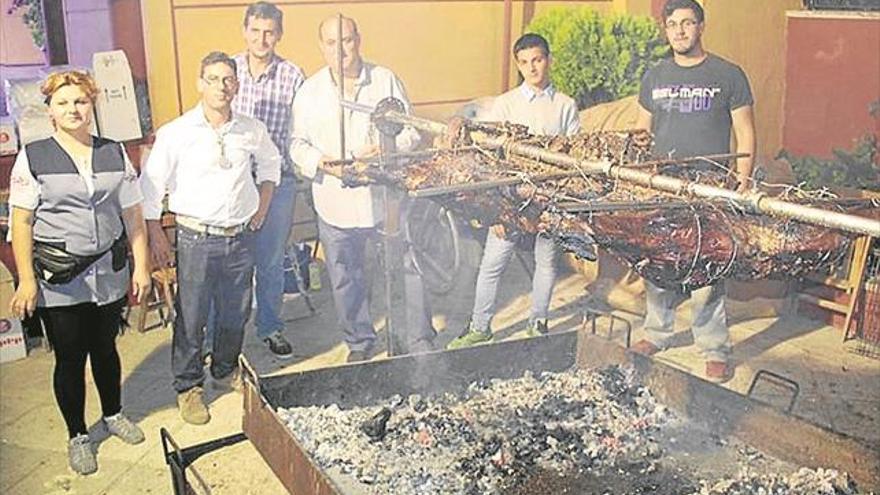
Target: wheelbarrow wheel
[{"x": 432, "y": 240}]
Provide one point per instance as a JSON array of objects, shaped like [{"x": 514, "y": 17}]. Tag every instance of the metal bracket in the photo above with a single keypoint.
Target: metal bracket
[
  {"x": 778, "y": 380},
  {"x": 247, "y": 372},
  {"x": 591, "y": 315},
  {"x": 175, "y": 461},
  {"x": 179, "y": 459},
  {"x": 385, "y": 126}
]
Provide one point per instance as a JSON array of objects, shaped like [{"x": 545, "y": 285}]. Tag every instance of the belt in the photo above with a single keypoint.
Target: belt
[{"x": 203, "y": 228}]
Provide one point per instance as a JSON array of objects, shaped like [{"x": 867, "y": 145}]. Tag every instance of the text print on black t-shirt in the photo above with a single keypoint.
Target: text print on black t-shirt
[{"x": 684, "y": 98}]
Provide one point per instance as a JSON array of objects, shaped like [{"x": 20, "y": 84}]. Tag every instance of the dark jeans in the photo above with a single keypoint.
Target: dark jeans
[
  {"x": 270, "y": 242},
  {"x": 77, "y": 332},
  {"x": 344, "y": 252},
  {"x": 210, "y": 268}
]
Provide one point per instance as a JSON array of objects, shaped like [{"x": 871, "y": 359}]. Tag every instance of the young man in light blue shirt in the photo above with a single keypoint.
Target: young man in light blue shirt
[{"x": 546, "y": 111}]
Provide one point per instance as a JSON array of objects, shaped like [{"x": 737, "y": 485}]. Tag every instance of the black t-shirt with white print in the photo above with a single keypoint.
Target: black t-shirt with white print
[{"x": 690, "y": 106}]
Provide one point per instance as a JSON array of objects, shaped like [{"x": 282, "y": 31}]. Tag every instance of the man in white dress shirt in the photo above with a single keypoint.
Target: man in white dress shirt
[
  {"x": 349, "y": 216},
  {"x": 219, "y": 169}
]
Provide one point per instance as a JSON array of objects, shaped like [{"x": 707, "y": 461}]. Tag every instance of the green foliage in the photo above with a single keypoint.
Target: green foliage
[
  {"x": 32, "y": 16},
  {"x": 858, "y": 168},
  {"x": 599, "y": 58}
]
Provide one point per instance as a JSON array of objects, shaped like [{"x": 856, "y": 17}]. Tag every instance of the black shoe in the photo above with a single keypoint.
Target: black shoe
[
  {"x": 278, "y": 345},
  {"x": 356, "y": 356}
]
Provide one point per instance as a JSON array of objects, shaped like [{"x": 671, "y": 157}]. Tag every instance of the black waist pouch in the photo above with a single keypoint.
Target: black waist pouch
[{"x": 53, "y": 264}]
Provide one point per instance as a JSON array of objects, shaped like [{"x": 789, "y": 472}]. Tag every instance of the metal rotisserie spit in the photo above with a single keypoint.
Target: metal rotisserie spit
[{"x": 679, "y": 223}]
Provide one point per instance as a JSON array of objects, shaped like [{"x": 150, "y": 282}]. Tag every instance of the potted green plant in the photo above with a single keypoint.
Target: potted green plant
[{"x": 599, "y": 58}]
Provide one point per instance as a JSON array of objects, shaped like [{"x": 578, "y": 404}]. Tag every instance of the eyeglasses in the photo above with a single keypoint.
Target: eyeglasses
[
  {"x": 227, "y": 81},
  {"x": 684, "y": 24}
]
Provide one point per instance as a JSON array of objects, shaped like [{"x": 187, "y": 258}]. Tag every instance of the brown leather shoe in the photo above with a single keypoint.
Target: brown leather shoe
[
  {"x": 645, "y": 347},
  {"x": 718, "y": 371},
  {"x": 192, "y": 406}
]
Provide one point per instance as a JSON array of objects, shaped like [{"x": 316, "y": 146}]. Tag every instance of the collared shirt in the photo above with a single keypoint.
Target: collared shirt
[
  {"x": 207, "y": 172},
  {"x": 269, "y": 99},
  {"x": 79, "y": 211},
  {"x": 316, "y": 134},
  {"x": 548, "y": 113}
]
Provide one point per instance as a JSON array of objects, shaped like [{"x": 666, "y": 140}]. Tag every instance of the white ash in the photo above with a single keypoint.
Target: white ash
[
  {"x": 804, "y": 481},
  {"x": 501, "y": 433},
  {"x": 497, "y": 434}
]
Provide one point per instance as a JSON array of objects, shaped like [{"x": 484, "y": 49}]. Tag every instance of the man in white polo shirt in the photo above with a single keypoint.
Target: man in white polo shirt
[
  {"x": 219, "y": 169},
  {"x": 546, "y": 111}
]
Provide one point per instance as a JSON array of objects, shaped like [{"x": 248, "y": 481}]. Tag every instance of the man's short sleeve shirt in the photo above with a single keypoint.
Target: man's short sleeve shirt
[{"x": 690, "y": 106}]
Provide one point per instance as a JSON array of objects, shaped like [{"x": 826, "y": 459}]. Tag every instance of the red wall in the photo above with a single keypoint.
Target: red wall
[{"x": 832, "y": 69}]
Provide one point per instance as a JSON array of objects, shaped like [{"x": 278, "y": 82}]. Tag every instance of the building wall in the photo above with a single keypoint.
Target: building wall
[
  {"x": 16, "y": 47},
  {"x": 446, "y": 52},
  {"x": 89, "y": 30},
  {"x": 751, "y": 33},
  {"x": 88, "y": 27},
  {"x": 832, "y": 81},
  {"x": 18, "y": 56}
]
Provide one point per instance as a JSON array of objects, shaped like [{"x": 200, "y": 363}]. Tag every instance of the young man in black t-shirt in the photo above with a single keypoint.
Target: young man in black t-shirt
[{"x": 691, "y": 103}]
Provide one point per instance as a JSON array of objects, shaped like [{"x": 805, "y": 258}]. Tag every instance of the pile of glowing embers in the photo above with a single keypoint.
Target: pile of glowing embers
[{"x": 580, "y": 431}]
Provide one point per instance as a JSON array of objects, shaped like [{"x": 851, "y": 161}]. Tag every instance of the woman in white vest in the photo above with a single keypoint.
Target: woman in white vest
[{"x": 75, "y": 200}]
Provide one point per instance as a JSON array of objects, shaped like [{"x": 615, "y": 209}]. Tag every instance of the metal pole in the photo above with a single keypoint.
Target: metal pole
[
  {"x": 757, "y": 201},
  {"x": 340, "y": 82},
  {"x": 388, "y": 145},
  {"x": 489, "y": 184}
]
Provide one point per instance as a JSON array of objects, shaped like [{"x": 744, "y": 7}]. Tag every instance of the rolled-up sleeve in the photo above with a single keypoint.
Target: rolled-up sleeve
[
  {"x": 154, "y": 178},
  {"x": 267, "y": 157},
  {"x": 303, "y": 153},
  {"x": 24, "y": 190}
]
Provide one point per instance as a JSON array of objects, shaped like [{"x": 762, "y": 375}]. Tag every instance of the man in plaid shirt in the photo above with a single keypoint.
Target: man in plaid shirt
[{"x": 267, "y": 86}]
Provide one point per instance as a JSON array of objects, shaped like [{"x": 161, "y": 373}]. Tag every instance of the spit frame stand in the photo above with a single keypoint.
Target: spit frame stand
[
  {"x": 179, "y": 459},
  {"x": 388, "y": 132}
]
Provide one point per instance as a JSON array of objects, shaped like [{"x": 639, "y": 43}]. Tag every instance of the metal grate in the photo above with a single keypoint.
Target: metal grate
[{"x": 867, "y": 320}]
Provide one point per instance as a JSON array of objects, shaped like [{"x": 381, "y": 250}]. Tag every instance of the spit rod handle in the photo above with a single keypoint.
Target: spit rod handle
[{"x": 779, "y": 380}]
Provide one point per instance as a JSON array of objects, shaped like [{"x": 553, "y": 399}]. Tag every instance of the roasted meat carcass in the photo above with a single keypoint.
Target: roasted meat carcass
[{"x": 673, "y": 240}]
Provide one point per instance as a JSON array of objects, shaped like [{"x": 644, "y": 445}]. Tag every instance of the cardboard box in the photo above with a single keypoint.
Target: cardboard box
[
  {"x": 7, "y": 289},
  {"x": 12, "y": 342},
  {"x": 117, "y": 103},
  {"x": 8, "y": 138}
]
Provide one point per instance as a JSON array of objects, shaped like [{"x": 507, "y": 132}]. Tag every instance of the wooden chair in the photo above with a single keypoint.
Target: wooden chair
[
  {"x": 161, "y": 298},
  {"x": 850, "y": 286}
]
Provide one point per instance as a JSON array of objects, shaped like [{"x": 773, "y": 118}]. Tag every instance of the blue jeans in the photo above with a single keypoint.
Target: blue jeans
[
  {"x": 210, "y": 269},
  {"x": 344, "y": 251},
  {"x": 269, "y": 244},
  {"x": 496, "y": 254},
  {"x": 708, "y": 321},
  {"x": 271, "y": 240}
]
